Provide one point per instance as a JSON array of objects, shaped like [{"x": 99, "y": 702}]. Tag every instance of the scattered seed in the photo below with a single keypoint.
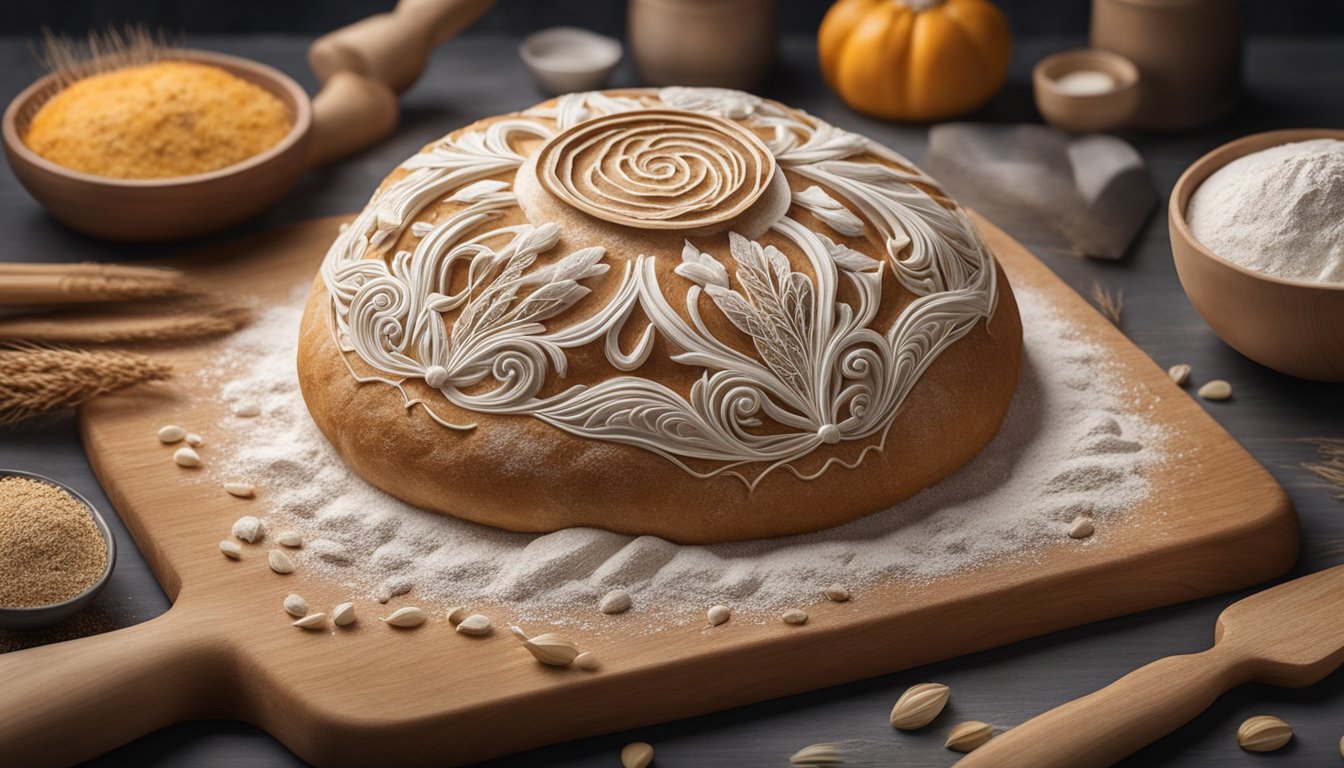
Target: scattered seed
[
  {"x": 296, "y": 606},
  {"x": 393, "y": 588},
  {"x": 456, "y": 615},
  {"x": 194, "y": 440},
  {"x": 969, "y": 735},
  {"x": 231, "y": 549},
  {"x": 171, "y": 434},
  {"x": 719, "y": 614},
  {"x": 312, "y": 621},
  {"x": 548, "y": 648},
  {"x": 919, "y": 705},
  {"x": 247, "y": 410},
  {"x": 476, "y": 624},
  {"x": 186, "y": 457},
  {"x": 1081, "y": 528},
  {"x": 837, "y": 593},
  {"x": 586, "y": 661},
  {"x": 1179, "y": 373},
  {"x": 794, "y": 616},
  {"x": 1216, "y": 390},
  {"x": 1263, "y": 733},
  {"x": 615, "y": 601},
  {"x": 241, "y": 490},
  {"x": 248, "y": 528},
  {"x": 289, "y": 539},
  {"x": 636, "y": 755},
  {"x": 343, "y": 615},
  {"x": 279, "y": 561},
  {"x": 407, "y": 617},
  {"x": 822, "y": 755}
]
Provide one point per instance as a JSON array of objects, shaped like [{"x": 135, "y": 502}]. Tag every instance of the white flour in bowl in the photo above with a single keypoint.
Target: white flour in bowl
[
  {"x": 1279, "y": 211},
  {"x": 1071, "y": 445}
]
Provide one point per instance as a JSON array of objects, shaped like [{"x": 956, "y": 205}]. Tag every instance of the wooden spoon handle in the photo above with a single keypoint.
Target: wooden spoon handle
[
  {"x": 364, "y": 66},
  {"x": 64, "y": 703},
  {"x": 1102, "y": 728}
]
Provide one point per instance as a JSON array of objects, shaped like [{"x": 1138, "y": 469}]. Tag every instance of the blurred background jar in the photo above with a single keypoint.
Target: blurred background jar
[
  {"x": 1188, "y": 53},
  {"x": 721, "y": 43}
]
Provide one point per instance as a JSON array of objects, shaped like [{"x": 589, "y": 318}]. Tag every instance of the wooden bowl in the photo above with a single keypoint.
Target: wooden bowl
[
  {"x": 147, "y": 210},
  {"x": 1086, "y": 113},
  {"x": 1293, "y": 326}
]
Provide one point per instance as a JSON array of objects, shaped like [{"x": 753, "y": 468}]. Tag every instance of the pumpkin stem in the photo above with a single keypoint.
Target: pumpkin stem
[{"x": 921, "y": 5}]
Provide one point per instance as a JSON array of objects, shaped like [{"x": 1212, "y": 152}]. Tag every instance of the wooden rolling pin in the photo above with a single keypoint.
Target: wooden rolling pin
[
  {"x": 1291, "y": 635},
  {"x": 362, "y": 68}
]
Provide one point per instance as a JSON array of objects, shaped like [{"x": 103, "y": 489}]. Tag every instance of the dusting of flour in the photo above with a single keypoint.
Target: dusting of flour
[{"x": 1070, "y": 445}]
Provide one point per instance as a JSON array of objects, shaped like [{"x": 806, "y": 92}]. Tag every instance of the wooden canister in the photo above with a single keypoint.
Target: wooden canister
[
  {"x": 723, "y": 43},
  {"x": 1188, "y": 53}
]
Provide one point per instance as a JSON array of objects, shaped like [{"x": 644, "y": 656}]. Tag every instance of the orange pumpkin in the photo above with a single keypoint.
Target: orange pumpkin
[{"x": 914, "y": 59}]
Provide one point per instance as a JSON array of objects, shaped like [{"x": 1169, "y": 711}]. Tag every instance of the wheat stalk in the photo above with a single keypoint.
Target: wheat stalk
[
  {"x": 1330, "y": 468},
  {"x": 103, "y": 51},
  {"x": 24, "y": 284},
  {"x": 40, "y": 379},
  {"x": 82, "y": 327},
  {"x": 1109, "y": 304}
]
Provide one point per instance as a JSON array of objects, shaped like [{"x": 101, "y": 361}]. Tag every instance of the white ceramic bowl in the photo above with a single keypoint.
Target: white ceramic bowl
[{"x": 568, "y": 59}]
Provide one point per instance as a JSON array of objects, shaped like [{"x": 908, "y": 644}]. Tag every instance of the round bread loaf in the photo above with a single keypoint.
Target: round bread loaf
[{"x": 686, "y": 312}]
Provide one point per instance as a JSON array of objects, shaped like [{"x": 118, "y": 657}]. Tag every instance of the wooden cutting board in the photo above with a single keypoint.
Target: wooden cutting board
[{"x": 367, "y": 695}]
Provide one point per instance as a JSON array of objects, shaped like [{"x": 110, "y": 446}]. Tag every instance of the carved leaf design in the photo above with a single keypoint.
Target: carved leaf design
[
  {"x": 494, "y": 305},
  {"x": 823, "y": 142},
  {"x": 776, "y": 310},
  {"x": 722, "y": 102},
  {"x": 559, "y": 287},
  {"x": 447, "y": 165},
  {"x": 848, "y": 259},
  {"x": 819, "y": 372},
  {"x": 701, "y": 268},
  {"x": 574, "y": 108},
  {"x": 829, "y": 210},
  {"x": 477, "y": 191}
]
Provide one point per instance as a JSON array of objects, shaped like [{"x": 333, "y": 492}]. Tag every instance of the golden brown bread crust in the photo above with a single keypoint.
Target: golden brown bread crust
[{"x": 520, "y": 473}]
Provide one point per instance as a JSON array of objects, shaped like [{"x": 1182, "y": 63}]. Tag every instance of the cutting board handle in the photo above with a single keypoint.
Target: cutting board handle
[
  {"x": 1102, "y": 728},
  {"x": 64, "y": 703},
  {"x": 363, "y": 66}
]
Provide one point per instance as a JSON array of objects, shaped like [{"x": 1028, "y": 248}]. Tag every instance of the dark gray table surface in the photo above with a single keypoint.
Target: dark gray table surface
[{"x": 1290, "y": 83}]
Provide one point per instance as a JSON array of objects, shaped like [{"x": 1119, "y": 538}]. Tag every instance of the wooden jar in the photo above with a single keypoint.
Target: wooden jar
[
  {"x": 720, "y": 43},
  {"x": 1188, "y": 53}
]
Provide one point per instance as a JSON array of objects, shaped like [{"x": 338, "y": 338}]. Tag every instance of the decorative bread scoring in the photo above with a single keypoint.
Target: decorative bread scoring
[
  {"x": 657, "y": 169},
  {"x": 699, "y": 277}
]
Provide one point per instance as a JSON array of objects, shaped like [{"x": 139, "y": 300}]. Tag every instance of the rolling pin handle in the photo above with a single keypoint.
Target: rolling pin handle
[
  {"x": 363, "y": 66},
  {"x": 393, "y": 48},
  {"x": 1102, "y": 728},
  {"x": 350, "y": 113}
]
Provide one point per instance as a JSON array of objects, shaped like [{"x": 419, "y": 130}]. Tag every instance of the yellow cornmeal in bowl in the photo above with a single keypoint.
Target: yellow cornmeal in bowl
[{"x": 159, "y": 120}]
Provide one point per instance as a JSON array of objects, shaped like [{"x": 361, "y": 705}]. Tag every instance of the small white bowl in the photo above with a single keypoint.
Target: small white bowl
[{"x": 568, "y": 59}]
